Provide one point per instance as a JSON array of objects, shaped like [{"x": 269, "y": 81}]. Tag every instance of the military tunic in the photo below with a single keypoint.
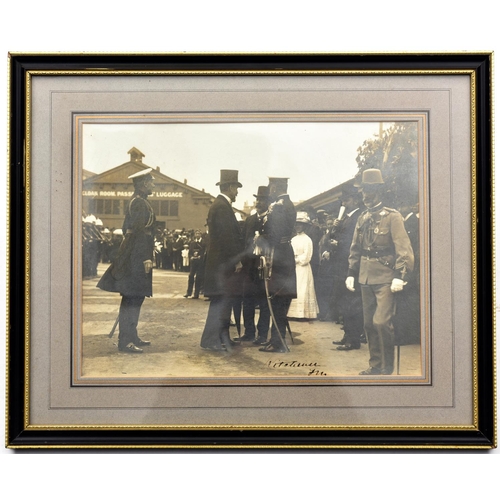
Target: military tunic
[
  {"x": 380, "y": 251},
  {"x": 276, "y": 235},
  {"x": 254, "y": 293},
  {"x": 127, "y": 274}
]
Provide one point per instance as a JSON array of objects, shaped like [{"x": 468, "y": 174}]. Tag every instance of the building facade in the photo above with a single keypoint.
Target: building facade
[
  {"x": 329, "y": 201},
  {"x": 176, "y": 204}
]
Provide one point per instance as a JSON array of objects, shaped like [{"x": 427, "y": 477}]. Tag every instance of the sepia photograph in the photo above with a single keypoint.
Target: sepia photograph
[
  {"x": 245, "y": 250},
  {"x": 223, "y": 254}
]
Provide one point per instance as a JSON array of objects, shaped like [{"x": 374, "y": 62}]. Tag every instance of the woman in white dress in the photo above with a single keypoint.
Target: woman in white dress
[{"x": 305, "y": 306}]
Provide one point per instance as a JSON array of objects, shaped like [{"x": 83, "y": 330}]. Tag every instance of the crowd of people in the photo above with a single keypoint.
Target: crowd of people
[{"x": 350, "y": 267}]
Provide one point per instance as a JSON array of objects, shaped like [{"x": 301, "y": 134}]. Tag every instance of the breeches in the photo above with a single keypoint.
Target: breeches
[
  {"x": 378, "y": 312},
  {"x": 249, "y": 306}
]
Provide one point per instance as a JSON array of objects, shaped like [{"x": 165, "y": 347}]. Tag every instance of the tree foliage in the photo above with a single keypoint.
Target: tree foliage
[{"x": 395, "y": 153}]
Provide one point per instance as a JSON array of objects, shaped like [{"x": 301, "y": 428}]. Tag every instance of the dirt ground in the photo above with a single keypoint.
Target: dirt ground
[{"x": 174, "y": 325}]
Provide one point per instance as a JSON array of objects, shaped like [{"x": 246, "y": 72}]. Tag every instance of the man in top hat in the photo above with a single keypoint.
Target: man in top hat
[
  {"x": 349, "y": 303},
  {"x": 275, "y": 243},
  {"x": 131, "y": 273},
  {"x": 223, "y": 265},
  {"x": 380, "y": 258},
  {"x": 254, "y": 293}
]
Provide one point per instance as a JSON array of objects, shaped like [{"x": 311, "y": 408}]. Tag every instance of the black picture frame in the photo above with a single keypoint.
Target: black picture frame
[{"x": 20, "y": 436}]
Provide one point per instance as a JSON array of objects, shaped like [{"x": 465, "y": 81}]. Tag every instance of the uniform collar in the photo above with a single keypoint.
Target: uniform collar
[{"x": 376, "y": 208}]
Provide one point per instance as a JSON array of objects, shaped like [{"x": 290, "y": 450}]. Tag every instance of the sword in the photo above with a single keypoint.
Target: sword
[
  {"x": 111, "y": 333},
  {"x": 263, "y": 266}
]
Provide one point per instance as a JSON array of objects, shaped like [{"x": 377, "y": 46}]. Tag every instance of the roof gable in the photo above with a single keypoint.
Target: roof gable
[{"x": 120, "y": 174}]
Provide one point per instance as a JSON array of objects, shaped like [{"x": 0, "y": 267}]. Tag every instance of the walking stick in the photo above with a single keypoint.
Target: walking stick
[{"x": 111, "y": 333}]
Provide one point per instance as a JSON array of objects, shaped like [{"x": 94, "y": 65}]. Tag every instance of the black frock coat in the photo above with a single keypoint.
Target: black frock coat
[
  {"x": 126, "y": 275},
  {"x": 224, "y": 251}
]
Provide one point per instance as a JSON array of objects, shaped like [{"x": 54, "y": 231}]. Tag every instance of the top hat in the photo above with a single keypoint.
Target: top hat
[
  {"x": 303, "y": 217},
  {"x": 278, "y": 180},
  {"x": 143, "y": 175},
  {"x": 371, "y": 176},
  {"x": 229, "y": 177},
  {"x": 262, "y": 192}
]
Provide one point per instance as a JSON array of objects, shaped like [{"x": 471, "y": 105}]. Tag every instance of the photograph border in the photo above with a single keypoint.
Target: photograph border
[{"x": 20, "y": 434}]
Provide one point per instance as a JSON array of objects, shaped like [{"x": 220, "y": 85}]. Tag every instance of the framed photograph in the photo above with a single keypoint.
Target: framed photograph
[{"x": 242, "y": 251}]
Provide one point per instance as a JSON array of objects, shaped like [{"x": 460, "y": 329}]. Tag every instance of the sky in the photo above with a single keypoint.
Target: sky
[{"x": 314, "y": 156}]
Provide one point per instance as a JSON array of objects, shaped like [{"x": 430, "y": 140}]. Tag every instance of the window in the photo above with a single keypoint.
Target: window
[
  {"x": 105, "y": 207},
  {"x": 165, "y": 208},
  {"x": 155, "y": 205},
  {"x": 174, "y": 208}
]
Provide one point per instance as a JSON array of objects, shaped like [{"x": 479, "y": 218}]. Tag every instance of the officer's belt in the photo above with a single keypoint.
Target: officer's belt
[{"x": 383, "y": 252}]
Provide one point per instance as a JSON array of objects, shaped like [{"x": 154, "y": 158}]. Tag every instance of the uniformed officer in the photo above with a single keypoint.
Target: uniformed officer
[
  {"x": 275, "y": 242},
  {"x": 131, "y": 272},
  {"x": 254, "y": 293},
  {"x": 381, "y": 254}
]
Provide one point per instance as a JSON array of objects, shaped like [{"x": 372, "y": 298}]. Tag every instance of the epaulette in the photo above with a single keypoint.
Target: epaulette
[{"x": 386, "y": 211}]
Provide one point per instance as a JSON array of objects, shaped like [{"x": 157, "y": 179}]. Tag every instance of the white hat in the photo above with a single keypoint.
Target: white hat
[
  {"x": 137, "y": 176},
  {"x": 98, "y": 222},
  {"x": 303, "y": 217},
  {"x": 106, "y": 230},
  {"x": 118, "y": 231},
  {"x": 91, "y": 219}
]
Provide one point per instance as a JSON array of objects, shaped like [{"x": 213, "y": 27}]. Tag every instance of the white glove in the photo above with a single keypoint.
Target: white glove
[
  {"x": 397, "y": 285},
  {"x": 148, "y": 266},
  {"x": 349, "y": 283}
]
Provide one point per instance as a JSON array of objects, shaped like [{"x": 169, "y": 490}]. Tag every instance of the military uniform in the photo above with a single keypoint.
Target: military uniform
[
  {"x": 380, "y": 251},
  {"x": 254, "y": 293},
  {"x": 277, "y": 232},
  {"x": 127, "y": 275}
]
